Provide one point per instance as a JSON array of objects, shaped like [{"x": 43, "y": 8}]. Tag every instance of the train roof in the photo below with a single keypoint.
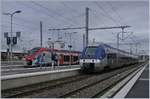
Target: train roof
[
  {"x": 60, "y": 50},
  {"x": 110, "y": 49}
]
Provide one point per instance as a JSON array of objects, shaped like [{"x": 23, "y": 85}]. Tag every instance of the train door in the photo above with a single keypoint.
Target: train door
[
  {"x": 66, "y": 59},
  {"x": 71, "y": 59},
  {"x": 111, "y": 60},
  {"x": 61, "y": 60}
]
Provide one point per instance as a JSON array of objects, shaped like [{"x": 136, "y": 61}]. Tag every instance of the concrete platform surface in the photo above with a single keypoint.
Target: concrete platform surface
[{"x": 141, "y": 87}]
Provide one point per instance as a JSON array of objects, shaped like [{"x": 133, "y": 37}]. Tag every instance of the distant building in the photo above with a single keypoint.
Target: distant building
[
  {"x": 56, "y": 45},
  {"x": 17, "y": 55}
]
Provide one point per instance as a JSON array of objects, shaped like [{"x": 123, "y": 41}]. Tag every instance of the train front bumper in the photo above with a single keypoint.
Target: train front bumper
[{"x": 90, "y": 61}]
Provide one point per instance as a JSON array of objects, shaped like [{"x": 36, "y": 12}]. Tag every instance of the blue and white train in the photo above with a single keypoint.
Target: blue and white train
[{"x": 103, "y": 56}]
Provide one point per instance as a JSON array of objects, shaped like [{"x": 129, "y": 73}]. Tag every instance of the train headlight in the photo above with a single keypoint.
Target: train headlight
[{"x": 98, "y": 61}]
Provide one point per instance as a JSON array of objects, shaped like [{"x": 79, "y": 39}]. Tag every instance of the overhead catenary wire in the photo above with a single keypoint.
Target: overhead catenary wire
[
  {"x": 25, "y": 21},
  {"x": 76, "y": 17},
  {"x": 56, "y": 19},
  {"x": 21, "y": 25},
  {"x": 106, "y": 13},
  {"x": 59, "y": 16},
  {"x": 22, "y": 29},
  {"x": 98, "y": 18},
  {"x": 101, "y": 21},
  {"x": 114, "y": 10},
  {"x": 102, "y": 14},
  {"x": 47, "y": 14},
  {"x": 54, "y": 12},
  {"x": 70, "y": 8}
]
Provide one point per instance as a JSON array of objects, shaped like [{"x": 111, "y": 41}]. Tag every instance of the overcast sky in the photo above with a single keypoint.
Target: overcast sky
[{"x": 72, "y": 14}]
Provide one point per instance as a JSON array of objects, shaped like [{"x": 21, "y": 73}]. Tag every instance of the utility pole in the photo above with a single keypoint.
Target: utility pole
[
  {"x": 83, "y": 41},
  {"x": 87, "y": 25},
  {"x": 117, "y": 46},
  {"x": 118, "y": 40},
  {"x": 41, "y": 33},
  {"x": 130, "y": 48},
  {"x": 122, "y": 32},
  {"x": 136, "y": 48}
]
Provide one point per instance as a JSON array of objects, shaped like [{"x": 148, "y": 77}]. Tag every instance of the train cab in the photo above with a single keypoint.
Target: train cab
[
  {"x": 92, "y": 57},
  {"x": 31, "y": 55}
]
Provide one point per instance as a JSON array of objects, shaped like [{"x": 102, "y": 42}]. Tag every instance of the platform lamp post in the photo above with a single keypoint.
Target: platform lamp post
[
  {"x": 51, "y": 46},
  {"x": 11, "y": 33},
  {"x": 70, "y": 46}
]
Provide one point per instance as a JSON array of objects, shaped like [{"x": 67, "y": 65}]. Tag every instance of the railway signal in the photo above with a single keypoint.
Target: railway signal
[
  {"x": 70, "y": 46},
  {"x": 8, "y": 40},
  {"x": 14, "y": 40}
]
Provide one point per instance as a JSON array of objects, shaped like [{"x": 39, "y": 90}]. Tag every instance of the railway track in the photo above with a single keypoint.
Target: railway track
[
  {"x": 96, "y": 89},
  {"x": 76, "y": 87},
  {"x": 26, "y": 90}
]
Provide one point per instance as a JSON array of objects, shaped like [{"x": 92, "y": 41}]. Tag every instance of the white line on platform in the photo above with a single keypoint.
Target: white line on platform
[
  {"x": 144, "y": 79},
  {"x": 2, "y": 66},
  {"x": 31, "y": 66},
  {"x": 36, "y": 73},
  {"x": 124, "y": 91},
  {"x": 5, "y": 70},
  {"x": 113, "y": 90}
]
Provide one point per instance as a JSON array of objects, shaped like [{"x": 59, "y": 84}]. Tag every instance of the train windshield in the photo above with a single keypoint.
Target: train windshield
[
  {"x": 90, "y": 51},
  {"x": 33, "y": 51}
]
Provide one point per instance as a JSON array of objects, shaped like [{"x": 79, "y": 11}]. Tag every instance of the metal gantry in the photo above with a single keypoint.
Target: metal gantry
[{"x": 87, "y": 29}]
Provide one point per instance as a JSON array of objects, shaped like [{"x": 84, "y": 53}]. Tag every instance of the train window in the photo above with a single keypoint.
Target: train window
[
  {"x": 111, "y": 55},
  {"x": 33, "y": 50},
  {"x": 90, "y": 50},
  {"x": 66, "y": 58},
  {"x": 125, "y": 58},
  {"x": 75, "y": 58}
]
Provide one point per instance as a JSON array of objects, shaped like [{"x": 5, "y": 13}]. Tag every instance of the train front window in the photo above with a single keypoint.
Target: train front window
[
  {"x": 90, "y": 51},
  {"x": 33, "y": 51}
]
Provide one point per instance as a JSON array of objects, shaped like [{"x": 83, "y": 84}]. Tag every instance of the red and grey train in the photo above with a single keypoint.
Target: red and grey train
[{"x": 65, "y": 57}]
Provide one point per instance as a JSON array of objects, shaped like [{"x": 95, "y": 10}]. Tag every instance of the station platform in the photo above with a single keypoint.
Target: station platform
[
  {"x": 21, "y": 70},
  {"x": 141, "y": 88}
]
